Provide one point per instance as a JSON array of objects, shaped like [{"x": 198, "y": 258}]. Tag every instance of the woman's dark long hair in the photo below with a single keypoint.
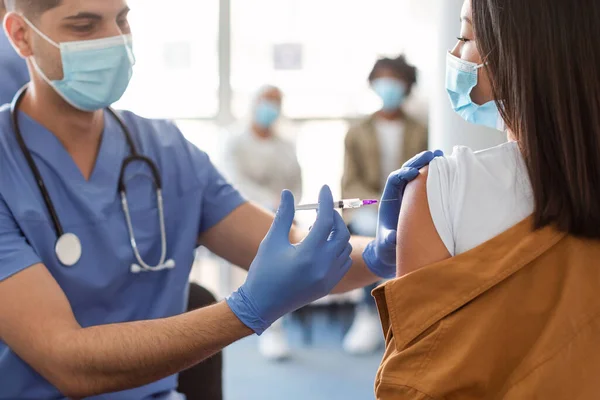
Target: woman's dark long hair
[{"x": 544, "y": 61}]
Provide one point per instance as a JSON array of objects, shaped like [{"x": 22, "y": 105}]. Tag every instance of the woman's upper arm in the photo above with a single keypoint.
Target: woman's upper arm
[{"x": 419, "y": 243}]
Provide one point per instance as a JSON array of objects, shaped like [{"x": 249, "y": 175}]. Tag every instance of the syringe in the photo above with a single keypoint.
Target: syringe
[{"x": 341, "y": 204}]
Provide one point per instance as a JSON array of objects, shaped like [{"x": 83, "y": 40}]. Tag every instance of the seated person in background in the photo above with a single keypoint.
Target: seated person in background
[
  {"x": 13, "y": 69},
  {"x": 260, "y": 163},
  {"x": 375, "y": 147},
  {"x": 498, "y": 289}
]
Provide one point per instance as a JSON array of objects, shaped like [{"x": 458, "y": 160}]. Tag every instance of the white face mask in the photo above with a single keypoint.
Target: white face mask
[
  {"x": 96, "y": 72},
  {"x": 461, "y": 78}
]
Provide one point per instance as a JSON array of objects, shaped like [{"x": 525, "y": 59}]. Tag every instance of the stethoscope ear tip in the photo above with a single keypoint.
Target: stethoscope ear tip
[{"x": 170, "y": 264}]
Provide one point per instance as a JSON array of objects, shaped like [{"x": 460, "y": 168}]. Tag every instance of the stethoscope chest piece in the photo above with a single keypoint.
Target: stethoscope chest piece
[{"x": 68, "y": 249}]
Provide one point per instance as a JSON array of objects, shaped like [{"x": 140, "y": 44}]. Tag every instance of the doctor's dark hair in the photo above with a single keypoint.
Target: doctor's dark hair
[
  {"x": 31, "y": 7},
  {"x": 544, "y": 61},
  {"x": 400, "y": 67}
]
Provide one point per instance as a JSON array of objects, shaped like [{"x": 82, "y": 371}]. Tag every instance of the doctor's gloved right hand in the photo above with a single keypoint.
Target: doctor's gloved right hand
[{"x": 285, "y": 277}]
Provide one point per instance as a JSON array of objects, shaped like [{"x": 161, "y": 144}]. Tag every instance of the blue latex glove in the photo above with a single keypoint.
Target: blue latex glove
[
  {"x": 380, "y": 254},
  {"x": 286, "y": 277}
]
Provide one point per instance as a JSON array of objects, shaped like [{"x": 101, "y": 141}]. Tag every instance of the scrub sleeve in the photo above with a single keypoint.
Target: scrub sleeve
[{"x": 15, "y": 252}]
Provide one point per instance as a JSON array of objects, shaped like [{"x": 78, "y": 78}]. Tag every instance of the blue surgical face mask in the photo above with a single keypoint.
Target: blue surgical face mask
[
  {"x": 391, "y": 91},
  {"x": 266, "y": 113},
  {"x": 461, "y": 78},
  {"x": 96, "y": 73}
]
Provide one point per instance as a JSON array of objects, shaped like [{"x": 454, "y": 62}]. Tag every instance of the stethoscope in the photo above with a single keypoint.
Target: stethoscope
[{"x": 68, "y": 247}]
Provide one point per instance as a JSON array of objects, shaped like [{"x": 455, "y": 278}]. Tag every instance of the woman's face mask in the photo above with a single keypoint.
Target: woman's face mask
[{"x": 461, "y": 78}]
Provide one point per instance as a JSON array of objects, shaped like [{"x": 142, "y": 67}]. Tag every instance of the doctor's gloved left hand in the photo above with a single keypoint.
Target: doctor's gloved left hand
[
  {"x": 380, "y": 254},
  {"x": 286, "y": 277}
]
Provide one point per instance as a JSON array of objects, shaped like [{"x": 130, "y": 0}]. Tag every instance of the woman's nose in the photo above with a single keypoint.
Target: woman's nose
[{"x": 456, "y": 50}]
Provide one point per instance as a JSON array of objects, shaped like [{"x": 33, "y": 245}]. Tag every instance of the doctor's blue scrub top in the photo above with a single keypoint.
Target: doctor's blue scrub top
[
  {"x": 100, "y": 287},
  {"x": 13, "y": 70}
]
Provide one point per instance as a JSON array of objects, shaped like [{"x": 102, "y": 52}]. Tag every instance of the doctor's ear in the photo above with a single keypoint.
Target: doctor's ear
[{"x": 18, "y": 33}]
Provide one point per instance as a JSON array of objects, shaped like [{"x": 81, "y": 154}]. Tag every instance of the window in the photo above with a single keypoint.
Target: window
[
  {"x": 176, "y": 73},
  {"x": 320, "y": 147},
  {"x": 319, "y": 52}
]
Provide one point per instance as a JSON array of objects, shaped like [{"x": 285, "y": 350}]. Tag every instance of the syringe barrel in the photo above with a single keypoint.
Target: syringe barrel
[{"x": 352, "y": 203}]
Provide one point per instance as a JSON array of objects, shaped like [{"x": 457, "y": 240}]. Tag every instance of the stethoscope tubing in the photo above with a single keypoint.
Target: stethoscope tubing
[{"x": 122, "y": 188}]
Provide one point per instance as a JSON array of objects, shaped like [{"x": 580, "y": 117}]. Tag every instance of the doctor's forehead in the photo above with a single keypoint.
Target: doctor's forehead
[{"x": 69, "y": 8}]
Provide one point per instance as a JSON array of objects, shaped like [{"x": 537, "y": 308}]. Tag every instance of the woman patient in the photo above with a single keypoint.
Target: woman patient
[{"x": 498, "y": 251}]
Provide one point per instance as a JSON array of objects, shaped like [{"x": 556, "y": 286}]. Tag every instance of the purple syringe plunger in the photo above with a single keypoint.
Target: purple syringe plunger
[{"x": 370, "y": 202}]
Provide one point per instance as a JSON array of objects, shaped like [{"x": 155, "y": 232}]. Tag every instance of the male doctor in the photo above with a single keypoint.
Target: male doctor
[{"x": 97, "y": 321}]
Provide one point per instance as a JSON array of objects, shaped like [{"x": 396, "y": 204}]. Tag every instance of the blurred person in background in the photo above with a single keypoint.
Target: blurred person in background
[
  {"x": 260, "y": 163},
  {"x": 376, "y": 146},
  {"x": 13, "y": 69}
]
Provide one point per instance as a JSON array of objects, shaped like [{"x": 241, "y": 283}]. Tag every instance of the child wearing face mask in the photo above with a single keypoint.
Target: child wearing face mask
[{"x": 375, "y": 147}]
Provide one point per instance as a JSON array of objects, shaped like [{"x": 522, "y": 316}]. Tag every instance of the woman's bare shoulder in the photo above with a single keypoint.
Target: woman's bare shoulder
[{"x": 419, "y": 243}]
